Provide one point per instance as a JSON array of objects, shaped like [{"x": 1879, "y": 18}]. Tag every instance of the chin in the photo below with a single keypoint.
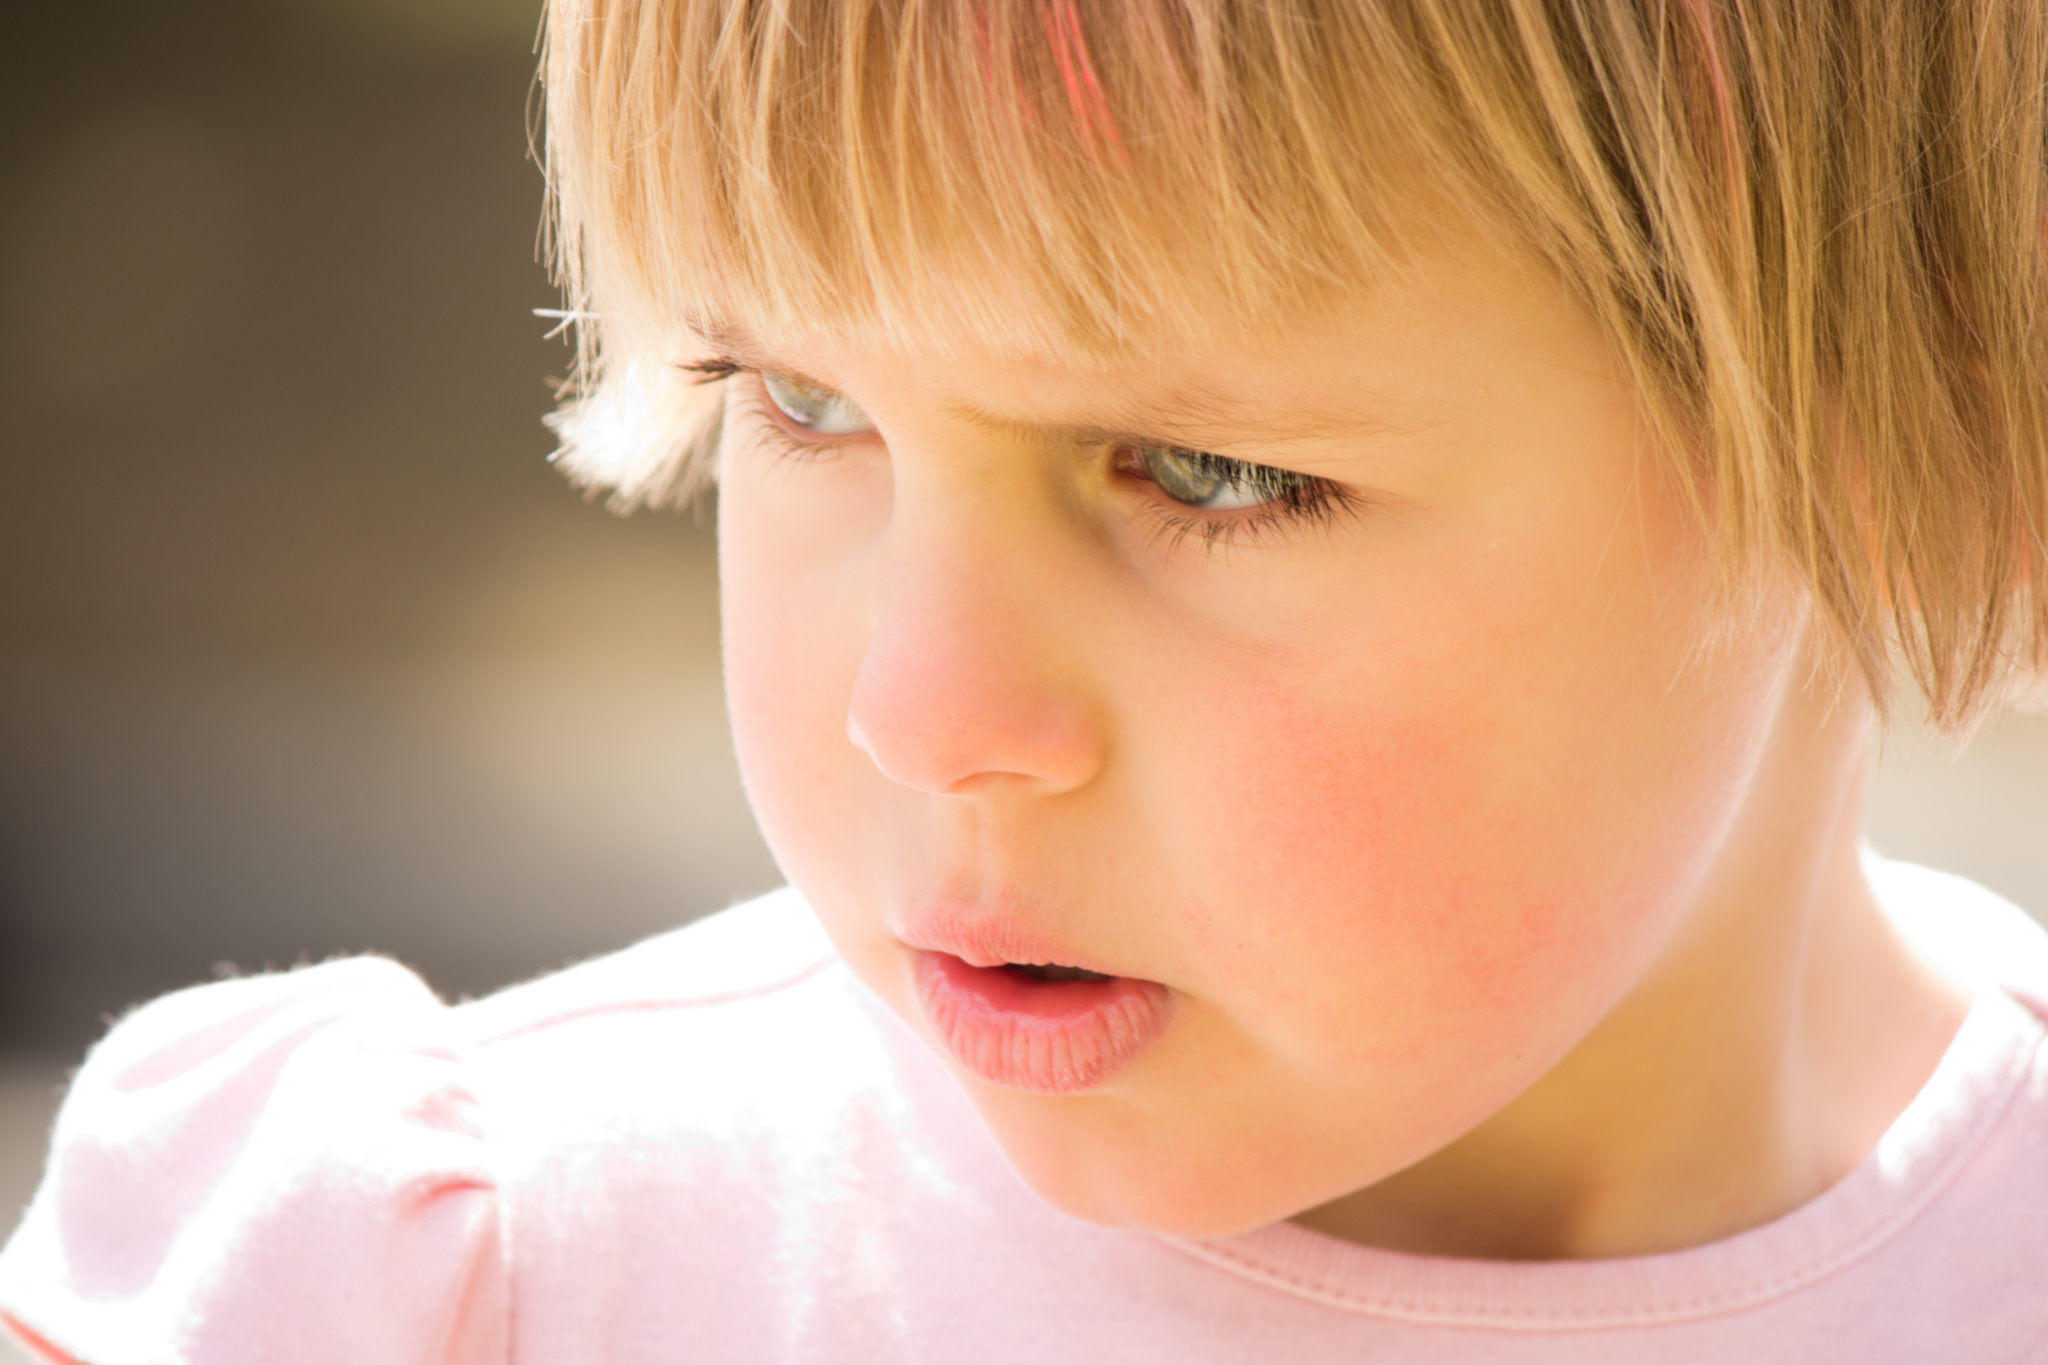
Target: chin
[
  {"x": 1128, "y": 1186},
  {"x": 1192, "y": 1211}
]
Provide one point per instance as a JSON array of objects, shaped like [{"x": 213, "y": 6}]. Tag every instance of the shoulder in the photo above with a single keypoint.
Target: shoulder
[
  {"x": 1978, "y": 1127},
  {"x": 706, "y": 1133},
  {"x": 239, "y": 1160},
  {"x": 752, "y": 950},
  {"x": 238, "y": 1167},
  {"x": 1975, "y": 936},
  {"x": 699, "y": 1032},
  {"x": 737, "y": 1041}
]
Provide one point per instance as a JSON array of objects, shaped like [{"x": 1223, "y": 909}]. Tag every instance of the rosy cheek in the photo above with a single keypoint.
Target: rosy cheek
[
  {"x": 1358, "y": 870},
  {"x": 1314, "y": 827}
]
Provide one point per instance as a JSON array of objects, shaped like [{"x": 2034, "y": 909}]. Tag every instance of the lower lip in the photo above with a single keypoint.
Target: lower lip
[{"x": 1050, "y": 1037}]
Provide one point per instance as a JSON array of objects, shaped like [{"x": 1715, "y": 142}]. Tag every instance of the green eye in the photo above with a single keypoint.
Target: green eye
[
  {"x": 1211, "y": 482},
  {"x": 814, "y": 408}
]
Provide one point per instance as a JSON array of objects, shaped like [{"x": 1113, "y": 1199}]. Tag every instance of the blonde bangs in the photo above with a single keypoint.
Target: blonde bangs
[
  {"x": 1812, "y": 228},
  {"x": 1040, "y": 176},
  {"x": 993, "y": 170}
]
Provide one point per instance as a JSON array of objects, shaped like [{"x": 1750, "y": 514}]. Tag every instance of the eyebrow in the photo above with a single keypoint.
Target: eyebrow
[{"x": 1176, "y": 416}]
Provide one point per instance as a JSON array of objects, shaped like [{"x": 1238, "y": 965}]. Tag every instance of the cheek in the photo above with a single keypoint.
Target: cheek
[
  {"x": 789, "y": 650},
  {"x": 1423, "y": 846},
  {"x": 1370, "y": 875}
]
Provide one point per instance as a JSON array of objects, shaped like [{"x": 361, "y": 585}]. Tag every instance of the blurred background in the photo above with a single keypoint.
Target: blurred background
[{"x": 303, "y": 647}]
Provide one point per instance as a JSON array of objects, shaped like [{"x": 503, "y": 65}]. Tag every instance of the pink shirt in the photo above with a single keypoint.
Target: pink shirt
[{"x": 716, "y": 1146}]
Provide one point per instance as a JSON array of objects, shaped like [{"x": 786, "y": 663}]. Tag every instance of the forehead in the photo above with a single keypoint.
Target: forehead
[
  {"x": 1371, "y": 360},
  {"x": 1238, "y": 387}
]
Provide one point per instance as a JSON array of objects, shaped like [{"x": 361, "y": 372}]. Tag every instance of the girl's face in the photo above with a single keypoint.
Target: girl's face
[{"x": 1386, "y": 754}]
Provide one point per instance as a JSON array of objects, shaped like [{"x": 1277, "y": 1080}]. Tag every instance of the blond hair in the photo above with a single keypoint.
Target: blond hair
[{"x": 1813, "y": 229}]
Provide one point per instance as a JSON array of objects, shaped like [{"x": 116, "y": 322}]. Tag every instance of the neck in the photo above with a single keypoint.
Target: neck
[{"x": 1757, "y": 1062}]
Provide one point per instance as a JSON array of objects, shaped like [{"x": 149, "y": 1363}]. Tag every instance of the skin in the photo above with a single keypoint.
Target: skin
[{"x": 1501, "y": 917}]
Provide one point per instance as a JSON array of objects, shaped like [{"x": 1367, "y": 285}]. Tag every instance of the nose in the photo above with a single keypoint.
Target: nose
[{"x": 968, "y": 683}]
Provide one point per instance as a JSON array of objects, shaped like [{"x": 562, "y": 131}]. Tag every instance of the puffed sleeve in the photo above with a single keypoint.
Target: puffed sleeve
[{"x": 283, "y": 1168}]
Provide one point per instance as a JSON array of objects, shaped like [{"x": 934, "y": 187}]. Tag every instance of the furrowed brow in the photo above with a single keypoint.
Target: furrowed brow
[
  {"x": 1194, "y": 418},
  {"x": 1185, "y": 418}
]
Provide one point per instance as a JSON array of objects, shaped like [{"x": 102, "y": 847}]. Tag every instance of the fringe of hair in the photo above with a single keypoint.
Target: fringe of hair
[{"x": 1814, "y": 230}]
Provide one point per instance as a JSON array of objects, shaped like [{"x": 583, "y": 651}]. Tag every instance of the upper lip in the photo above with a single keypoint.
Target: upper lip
[{"x": 989, "y": 940}]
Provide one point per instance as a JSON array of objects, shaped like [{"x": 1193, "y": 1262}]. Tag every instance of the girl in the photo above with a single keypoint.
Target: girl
[{"x": 1305, "y": 584}]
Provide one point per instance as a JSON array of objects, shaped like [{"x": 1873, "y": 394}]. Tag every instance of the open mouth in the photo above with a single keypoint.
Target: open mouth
[
  {"x": 1044, "y": 1027},
  {"x": 1052, "y": 971}
]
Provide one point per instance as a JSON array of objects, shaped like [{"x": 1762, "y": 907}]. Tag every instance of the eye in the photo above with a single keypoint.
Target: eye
[
  {"x": 813, "y": 408},
  {"x": 1212, "y": 482}
]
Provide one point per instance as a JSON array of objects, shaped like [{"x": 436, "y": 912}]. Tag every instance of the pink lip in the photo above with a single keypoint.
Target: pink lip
[
  {"x": 988, "y": 934},
  {"x": 1050, "y": 1037}
]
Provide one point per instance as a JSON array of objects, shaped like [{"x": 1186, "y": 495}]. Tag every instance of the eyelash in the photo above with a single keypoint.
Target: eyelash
[{"x": 1289, "y": 501}]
